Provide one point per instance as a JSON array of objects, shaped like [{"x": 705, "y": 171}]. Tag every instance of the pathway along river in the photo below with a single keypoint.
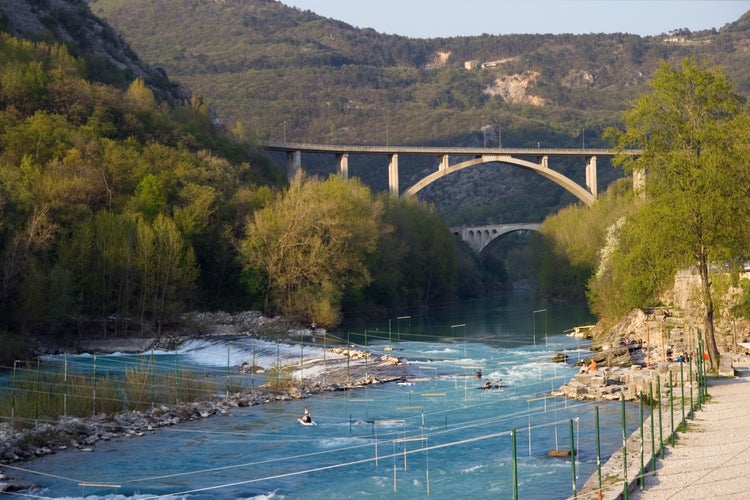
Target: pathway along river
[{"x": 442, "y": 436}]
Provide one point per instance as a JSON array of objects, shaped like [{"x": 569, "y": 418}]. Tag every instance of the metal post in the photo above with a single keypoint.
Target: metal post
[
  {"x": 705, "y": 382},
  {"x": 690, "y": 368},
  {"x": 176, "y": 377},
  {"x": 699, "y": 369},
  {"x": 93, "y": 412},
  {"x": 228, "y": 344},
  {"x": 65, "y": 386},
  {"x": 515, "y": 464},
  {"x": 653, "y": 444},
  {"x": 624, "y": 449},
  {"x": 671, "y": 407},
  {"x": 702, "y": 387},
  {"x": 573, "y": 459},
  {"x": 682, "y": 397},
  {"x": 37, "y": 392},
  {"x": 661, "y": 427},
  {"x": 152, "y": 379},
  {"x": 13, "y": 398},
  {"x": 598, "y": 448},
  {"x": 533, "y": 314},
  {"x": 252, "y": 377},
  {"x": 640, "y": 410}
]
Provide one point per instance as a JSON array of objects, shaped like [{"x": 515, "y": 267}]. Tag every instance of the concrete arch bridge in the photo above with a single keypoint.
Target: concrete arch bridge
[{"x": 536, "y": 160}]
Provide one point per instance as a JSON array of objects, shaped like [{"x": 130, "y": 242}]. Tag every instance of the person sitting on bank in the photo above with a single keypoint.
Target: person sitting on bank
[{"x": 592, "y": 366}]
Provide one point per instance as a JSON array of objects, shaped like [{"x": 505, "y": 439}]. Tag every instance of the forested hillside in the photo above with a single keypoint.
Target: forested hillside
[
  {"x": 124, "y": 204},
  {"x": 125, "y": 200},
  {"x": 289, "y": 74}
]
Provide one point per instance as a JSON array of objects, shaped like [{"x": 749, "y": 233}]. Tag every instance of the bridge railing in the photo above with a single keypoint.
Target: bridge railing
[{"x": 438, "y": 150}]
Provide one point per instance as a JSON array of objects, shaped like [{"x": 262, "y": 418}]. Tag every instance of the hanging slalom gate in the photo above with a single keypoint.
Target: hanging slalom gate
[{"x": 37, "y": 391}]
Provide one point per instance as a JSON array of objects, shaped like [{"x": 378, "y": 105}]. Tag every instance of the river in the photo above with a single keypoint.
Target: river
[{"x": 439, "y": 436}]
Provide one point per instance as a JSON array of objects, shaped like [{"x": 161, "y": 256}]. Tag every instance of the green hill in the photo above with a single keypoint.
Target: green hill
[
  {"x": 123, "y": 203},
  {"x": 292, "y": 75}
]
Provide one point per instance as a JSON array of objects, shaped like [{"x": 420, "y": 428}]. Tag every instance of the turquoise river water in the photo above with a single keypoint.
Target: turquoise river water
[{"x": 439, "y": 437}]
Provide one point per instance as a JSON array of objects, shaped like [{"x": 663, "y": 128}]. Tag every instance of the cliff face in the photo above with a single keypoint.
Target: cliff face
[
  {"x": 676, "y": 323},
  {"x": 108, "y": 57}
]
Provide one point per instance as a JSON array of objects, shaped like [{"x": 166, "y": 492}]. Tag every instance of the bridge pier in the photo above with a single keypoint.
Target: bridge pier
[
  {"x": 591, "y": 175},
  {"x": 293, "y": 163},
  {"x": 393, "y": 174},
  {"x": 444, "y": 163},
  {"x": 343, "y": 160}
]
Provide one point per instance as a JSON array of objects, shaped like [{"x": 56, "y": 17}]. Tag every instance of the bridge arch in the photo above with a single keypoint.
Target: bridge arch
[{"x": 541, "y": 168}]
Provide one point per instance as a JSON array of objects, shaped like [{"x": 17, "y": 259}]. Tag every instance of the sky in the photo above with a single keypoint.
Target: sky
[{"x": 446, "y": 18}]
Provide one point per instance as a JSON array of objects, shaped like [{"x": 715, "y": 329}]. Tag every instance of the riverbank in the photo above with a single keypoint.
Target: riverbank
[
  {"x": 707, "y": 460},
  {"x": 341, "y": 368},
  {"x": 710, "y": 458}
]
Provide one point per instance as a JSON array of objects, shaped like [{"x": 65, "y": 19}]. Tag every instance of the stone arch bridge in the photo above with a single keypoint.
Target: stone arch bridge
[{"x": 479, "y": 237}]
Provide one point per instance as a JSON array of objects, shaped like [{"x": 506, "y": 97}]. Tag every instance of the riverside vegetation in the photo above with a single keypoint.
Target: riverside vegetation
[{"x": 121, "y": 209}]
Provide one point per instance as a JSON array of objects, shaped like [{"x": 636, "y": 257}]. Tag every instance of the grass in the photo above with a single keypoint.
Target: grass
[{"x": 43, "y": 393}]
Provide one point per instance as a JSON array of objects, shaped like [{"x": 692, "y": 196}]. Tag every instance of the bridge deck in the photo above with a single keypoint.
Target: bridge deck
[{"x": 435, "y": 150}]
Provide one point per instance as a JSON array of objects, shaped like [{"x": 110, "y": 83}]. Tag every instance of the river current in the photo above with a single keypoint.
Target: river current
[{"x": 439, "y": 435}]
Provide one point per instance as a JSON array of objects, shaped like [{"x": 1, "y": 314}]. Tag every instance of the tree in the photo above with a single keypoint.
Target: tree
[
  {"x": 694, "y": 135},
  {"x": 416, "y": 259},
  {"x": 313, "y": 242}
]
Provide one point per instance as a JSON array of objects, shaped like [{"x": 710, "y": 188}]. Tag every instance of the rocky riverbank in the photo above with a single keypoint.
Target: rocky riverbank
[
  {"x": 344, "y": 368},
  {"x": 314, "y": 377}
]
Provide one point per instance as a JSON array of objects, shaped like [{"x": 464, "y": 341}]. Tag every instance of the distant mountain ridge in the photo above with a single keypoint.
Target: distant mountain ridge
[{"x": 263, "y": 63}]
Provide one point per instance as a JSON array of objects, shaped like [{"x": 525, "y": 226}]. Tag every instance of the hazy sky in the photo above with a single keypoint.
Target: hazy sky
[{"x": 444, "y": 18}]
